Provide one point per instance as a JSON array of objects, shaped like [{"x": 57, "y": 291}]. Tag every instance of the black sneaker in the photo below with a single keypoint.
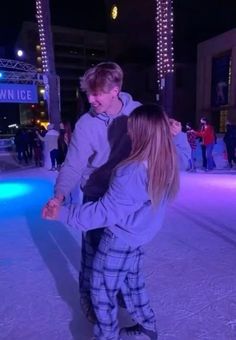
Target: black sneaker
[{"x": 137, "y": 332}]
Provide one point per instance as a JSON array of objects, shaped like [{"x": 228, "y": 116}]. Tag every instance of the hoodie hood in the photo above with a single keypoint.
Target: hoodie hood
[{"x": 128, "y": 105}]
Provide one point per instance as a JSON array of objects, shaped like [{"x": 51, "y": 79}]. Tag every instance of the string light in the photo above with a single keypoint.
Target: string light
[
  {"x": 165, "y": 49},
  {"x": 42, "y": 22}
]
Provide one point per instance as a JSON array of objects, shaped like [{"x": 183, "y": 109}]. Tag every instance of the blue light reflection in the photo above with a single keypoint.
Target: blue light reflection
[
  {"x": 20, "y": 196},
  {"x": 13, "y": 190}
]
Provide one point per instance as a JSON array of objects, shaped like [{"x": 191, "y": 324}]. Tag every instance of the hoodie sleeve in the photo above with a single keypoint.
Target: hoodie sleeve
[
  {"x": 79, "y": 151},
  {"x": 41, "y": 137},
  {"x": 126, "y": 194}
]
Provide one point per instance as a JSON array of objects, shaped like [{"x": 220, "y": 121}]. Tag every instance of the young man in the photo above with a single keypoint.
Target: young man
[
  {"x": 208, "y": 136},
  {"x": 99, "y": 142}
]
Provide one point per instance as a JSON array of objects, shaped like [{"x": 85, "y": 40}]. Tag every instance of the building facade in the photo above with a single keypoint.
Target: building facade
[
  {"x": 75, "y": 51},
  {"x": 216, "y": 79}
]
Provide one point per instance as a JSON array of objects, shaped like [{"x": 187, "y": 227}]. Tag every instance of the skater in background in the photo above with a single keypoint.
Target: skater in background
[
  {"x": 37, "y": 149},
  {"x": 21, "y": 143},
  {"x": 50, "y": 141},
  {"x": 191, "y": 136},
  {"x": 63, "y": 142},
  {"x": 230, "y": 143},
  {"x": 208, "y": 136},
  {"x": 182, "y": 146}
]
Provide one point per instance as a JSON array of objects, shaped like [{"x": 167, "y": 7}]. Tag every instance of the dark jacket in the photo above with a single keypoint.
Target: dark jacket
[{"x": 230, "y": 135}]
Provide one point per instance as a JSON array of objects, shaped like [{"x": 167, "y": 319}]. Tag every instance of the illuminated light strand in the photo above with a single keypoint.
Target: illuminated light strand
[
  {"x": 164, "y": 48},
  {"x": 41, "y": 19}
]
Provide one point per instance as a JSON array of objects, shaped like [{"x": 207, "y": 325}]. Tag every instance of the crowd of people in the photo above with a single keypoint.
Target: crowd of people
[
  {"x": 125, "y": 156},
  {"x": 186, "y": 142},
  {"x": 190, "y": 140},
  {"x": 43, "y": 146},
  {"x": 28, "y": 146}
]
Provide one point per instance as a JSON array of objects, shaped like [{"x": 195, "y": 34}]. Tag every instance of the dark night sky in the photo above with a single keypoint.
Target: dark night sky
[
  {"x": 195, "y": 20},
  {"x": 199, "y": 20},
  {"x": 88, "y": 14}
]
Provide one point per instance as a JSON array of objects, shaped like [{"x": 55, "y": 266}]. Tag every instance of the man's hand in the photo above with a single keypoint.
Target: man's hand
[
  {"x": 51, "y": 209},
  {"x": 175, "y": 126}
]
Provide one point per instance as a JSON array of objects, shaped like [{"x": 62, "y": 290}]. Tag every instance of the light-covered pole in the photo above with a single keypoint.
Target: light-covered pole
[
  {"x": 165, "y": 53},
  {"x": 51, "y": 80}
]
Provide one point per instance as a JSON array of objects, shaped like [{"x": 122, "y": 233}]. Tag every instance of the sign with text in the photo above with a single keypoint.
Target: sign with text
[{"x": 18, "y": 93}]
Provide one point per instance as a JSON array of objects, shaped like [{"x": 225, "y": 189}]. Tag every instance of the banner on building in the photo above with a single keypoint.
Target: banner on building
[
  {"x": 18, "y": 93},
  {"x": 220, "y": 80}
]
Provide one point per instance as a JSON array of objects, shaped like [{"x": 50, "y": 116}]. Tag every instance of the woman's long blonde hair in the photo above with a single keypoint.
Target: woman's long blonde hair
[{"x": 152, "y": 141}]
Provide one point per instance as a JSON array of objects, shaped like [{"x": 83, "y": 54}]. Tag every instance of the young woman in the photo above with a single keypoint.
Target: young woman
[{"x": 132, "y": 210}]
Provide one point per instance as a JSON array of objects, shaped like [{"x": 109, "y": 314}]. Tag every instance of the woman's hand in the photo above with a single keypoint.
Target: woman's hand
[{"x": 51, "y": 209}]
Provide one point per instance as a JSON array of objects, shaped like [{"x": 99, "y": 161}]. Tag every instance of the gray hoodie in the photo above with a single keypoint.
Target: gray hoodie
[
  {"x": 183, "y": 150},
  {"x": 125, "y": 208},
  {"x": 50, "y": 140},
  {"x": 99, "y": 142}
]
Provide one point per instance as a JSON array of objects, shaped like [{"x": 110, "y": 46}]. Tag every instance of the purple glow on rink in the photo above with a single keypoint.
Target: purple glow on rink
[
  {"x": 189, "y": 266},
  {"x": 223, "y": 181},
  {"x": 220, "y": 178}
]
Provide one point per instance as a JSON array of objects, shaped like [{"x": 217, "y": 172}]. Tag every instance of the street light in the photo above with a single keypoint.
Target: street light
[{"x": 20, "y": 53}]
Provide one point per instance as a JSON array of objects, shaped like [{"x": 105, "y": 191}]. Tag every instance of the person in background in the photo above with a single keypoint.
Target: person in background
[
  {"x": 230, "y": 142},
  {"x": 50, "y": 145},
  {"x": 37, "y": 149},
  {"x": 21, "y": 143},
  {"x": 191, "y": 136},
  {"x": 42, "y": 130},
  {"x": 182, "y": 146},
  {"x": 208, "y": 136},
  {"x": 132, "y": 218},
  {"x": 203, "y": 149},
  {"x": 63, "y": 142},
  {"x": 30, "y": 135}
]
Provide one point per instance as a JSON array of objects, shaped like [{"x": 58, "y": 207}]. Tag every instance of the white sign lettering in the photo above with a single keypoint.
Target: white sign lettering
[{"x": 18, "y": 93}]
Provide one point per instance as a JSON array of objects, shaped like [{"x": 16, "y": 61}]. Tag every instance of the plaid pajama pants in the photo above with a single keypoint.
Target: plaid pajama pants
[
  {"x": 90, "y": 242},
  {"x": 117, "y": 266}
]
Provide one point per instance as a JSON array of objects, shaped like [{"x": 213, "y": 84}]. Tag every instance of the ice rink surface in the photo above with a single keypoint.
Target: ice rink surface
[{"x": 190, "y": 266}]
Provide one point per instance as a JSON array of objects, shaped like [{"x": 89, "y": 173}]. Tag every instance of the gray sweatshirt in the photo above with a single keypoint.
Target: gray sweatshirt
[
  {"x": 50, "y": 140},
  {"x": 125, "y": 208},
  {"x": 99, "y": 142},
  {"x": 183, "y": 150}
]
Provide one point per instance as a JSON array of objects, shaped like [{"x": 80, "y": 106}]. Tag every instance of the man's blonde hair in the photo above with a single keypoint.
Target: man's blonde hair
[
  {"x": 152, "y": 141},
  {"x": 102, "y": 78}
]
